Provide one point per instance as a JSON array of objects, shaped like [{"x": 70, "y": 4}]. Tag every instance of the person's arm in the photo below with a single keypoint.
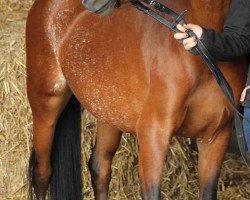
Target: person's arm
[
  {"x": 225, "y": 46},
  {"x": 235, "y": 39}
]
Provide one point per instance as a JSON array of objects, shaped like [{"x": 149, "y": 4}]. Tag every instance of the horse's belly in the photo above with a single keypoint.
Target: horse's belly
[
  {"x": 119, "y": 104},
  {"x": 105, "y": 70},
  {"x": 114, "y": 98}
]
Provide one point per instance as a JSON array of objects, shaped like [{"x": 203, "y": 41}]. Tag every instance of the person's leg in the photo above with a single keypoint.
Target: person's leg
[{"x": 246, "y": 126}]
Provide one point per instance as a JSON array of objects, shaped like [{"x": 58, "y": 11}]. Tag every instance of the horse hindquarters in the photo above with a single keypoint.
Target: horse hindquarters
[{"x": 54, "y": 114}]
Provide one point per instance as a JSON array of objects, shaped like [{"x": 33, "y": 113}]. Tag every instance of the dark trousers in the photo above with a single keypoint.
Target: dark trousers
[{"x": 246, "y": 126}]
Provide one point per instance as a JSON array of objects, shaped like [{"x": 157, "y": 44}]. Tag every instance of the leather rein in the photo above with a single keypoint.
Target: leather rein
[{"x": 206, "y": 56}]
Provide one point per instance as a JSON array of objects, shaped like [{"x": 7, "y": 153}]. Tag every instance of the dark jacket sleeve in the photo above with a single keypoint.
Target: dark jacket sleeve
[{"x": 234, "y": 41}]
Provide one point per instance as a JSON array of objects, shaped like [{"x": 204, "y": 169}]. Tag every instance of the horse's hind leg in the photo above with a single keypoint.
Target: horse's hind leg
[
  {"x": 211, "y": 157},
  {"x": 46, "y": 110},
  {"x": 107, "y": 142},
  {"x": 48, "y": 94},
  {"x": 45, "y": 117}
]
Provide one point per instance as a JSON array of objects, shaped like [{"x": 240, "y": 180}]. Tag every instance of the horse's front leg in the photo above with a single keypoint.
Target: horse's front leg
[
  {"x": 211, "y": 156},
  {"x": 155, "y": 129},
  {"x": 153, "y": 146},
  {"x": 107, "y": 142}
]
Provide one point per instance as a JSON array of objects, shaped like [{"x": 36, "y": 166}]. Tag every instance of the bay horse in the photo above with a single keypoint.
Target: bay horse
[{"x": 128, "y": 71}]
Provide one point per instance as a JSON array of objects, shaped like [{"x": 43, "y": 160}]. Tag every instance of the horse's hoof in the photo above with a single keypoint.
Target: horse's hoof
[
  {"x": 40, "y": 184},
  {"x": 40, "y": 198}
]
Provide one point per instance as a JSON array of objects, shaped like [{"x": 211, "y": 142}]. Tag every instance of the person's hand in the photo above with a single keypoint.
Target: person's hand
[
  {"x": 244, "y": 92},
  {"x": 188, "y": 42}
]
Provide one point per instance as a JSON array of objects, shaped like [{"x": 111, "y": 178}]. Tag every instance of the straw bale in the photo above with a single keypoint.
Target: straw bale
[{"x": 180, "y": 173}]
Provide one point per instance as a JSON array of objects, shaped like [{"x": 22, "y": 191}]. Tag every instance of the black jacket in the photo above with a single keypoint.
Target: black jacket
[{"x": 235, "y": 39}]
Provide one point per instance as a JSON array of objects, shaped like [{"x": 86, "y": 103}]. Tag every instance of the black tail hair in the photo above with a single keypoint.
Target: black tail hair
[
  {"x": 66, "y": 179},
  {"x": 32, "y": 163}
]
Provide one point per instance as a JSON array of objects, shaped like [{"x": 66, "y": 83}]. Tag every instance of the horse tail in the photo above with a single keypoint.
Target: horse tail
[
  {"x": 32, "y": 163},
  {"x": 66, "y": 179}
]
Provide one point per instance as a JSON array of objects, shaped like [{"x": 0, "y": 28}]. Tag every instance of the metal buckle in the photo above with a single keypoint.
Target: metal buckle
[
  {"x": 178, "y": 19},
  {"x": 151, "y": 2}
]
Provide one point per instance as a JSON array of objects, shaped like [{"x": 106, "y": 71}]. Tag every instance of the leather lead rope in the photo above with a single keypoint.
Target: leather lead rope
[{"x": 206, "y": 56}]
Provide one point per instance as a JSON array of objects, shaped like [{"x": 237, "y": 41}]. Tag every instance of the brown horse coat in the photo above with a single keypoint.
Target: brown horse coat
[{"x": 130, "y": 73}]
